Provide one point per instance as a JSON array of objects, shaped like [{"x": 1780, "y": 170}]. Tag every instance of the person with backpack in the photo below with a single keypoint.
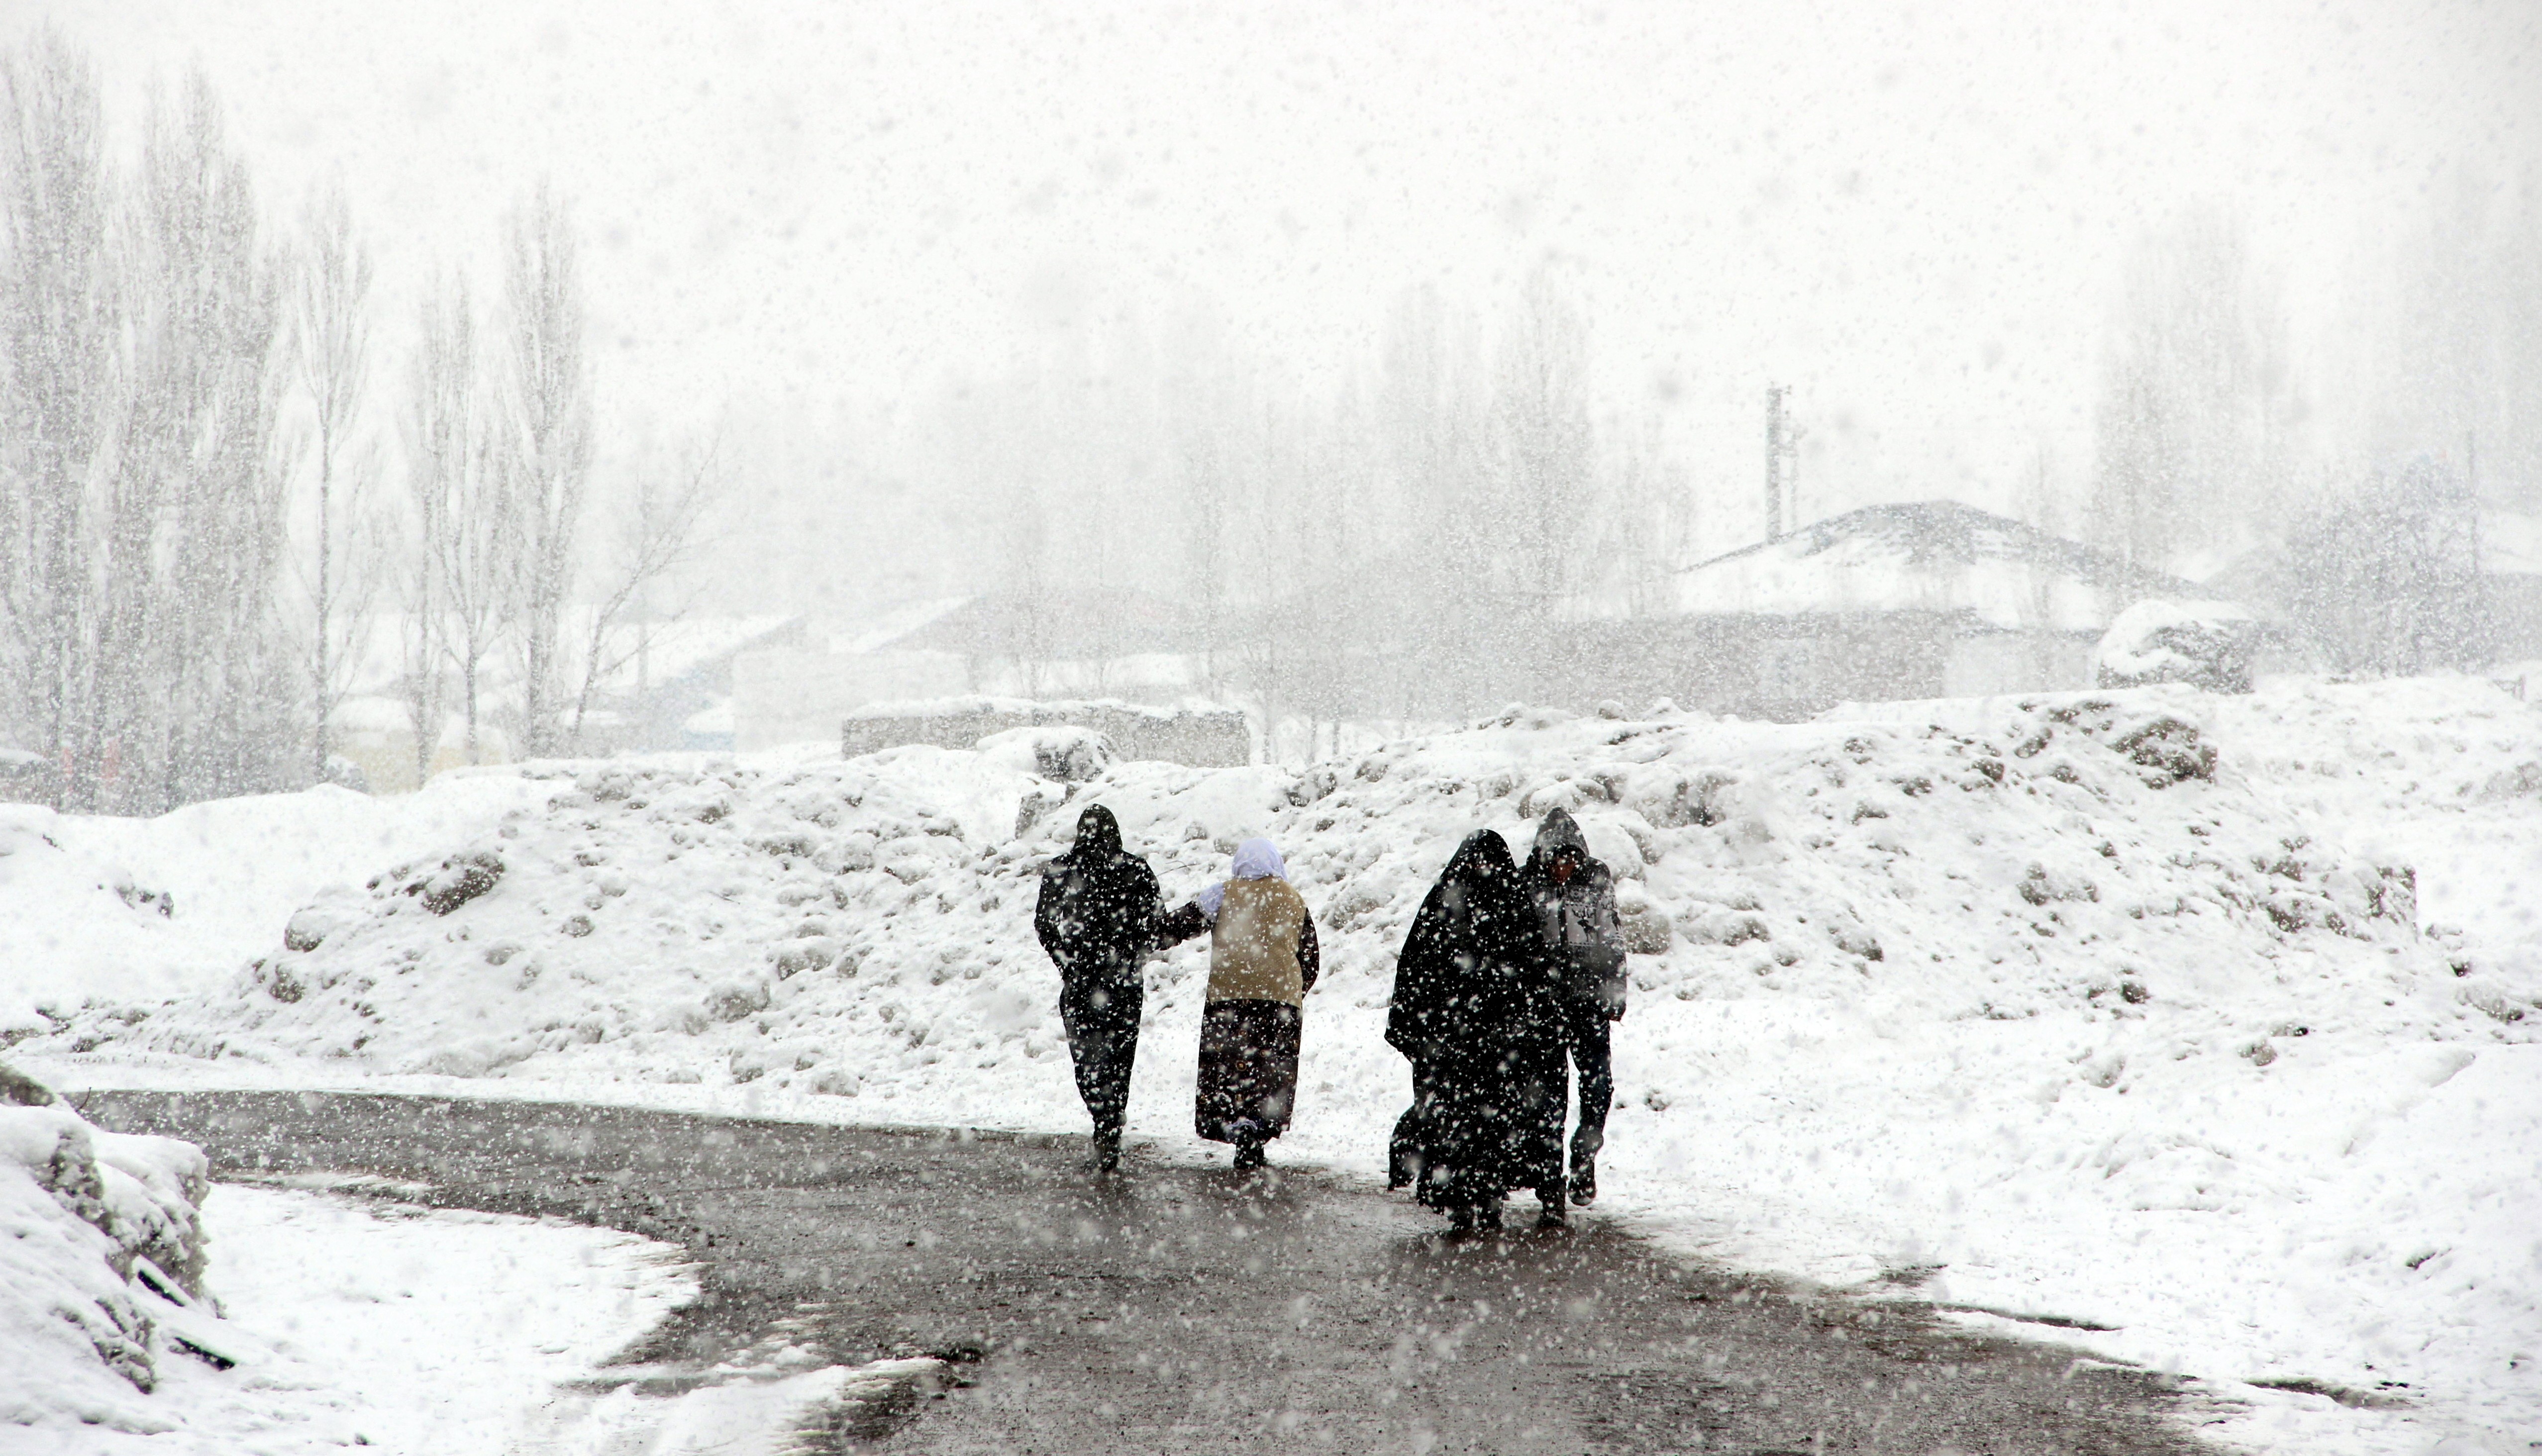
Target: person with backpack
[{"x": 1573, "y": 896}]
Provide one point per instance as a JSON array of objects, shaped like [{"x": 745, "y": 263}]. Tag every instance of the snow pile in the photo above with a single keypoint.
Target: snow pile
[
  {"x": 422, "y": 1332},
  {"x": 115, "y": 911},
  {"x": 2206, "y": 645},
  {"x": 2114, "y": 1008},
  {"x": 101, "y": 1262},
  {"x": 353, "y": 1324}
]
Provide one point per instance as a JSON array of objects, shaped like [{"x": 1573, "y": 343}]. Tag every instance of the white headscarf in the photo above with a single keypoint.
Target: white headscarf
[{"x": 1255, "y": 859}]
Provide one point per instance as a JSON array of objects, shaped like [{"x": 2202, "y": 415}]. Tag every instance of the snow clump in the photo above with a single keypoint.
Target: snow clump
[
  {"x": 100, "y": 1252},
  {"x": 2206, "y": 644}
]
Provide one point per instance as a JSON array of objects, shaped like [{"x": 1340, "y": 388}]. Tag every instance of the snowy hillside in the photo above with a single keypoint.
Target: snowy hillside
[{"x": 2114, "y": 1010}]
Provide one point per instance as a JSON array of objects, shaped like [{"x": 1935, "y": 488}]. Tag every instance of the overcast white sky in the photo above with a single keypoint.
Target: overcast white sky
[{"x": 1912, "y": 212}]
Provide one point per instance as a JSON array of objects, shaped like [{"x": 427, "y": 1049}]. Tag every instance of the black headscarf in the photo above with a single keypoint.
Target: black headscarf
[
  {"x": 1099, "y": 837},
  {"x": 1099, "y": 905},
  {"x": 1473, "y": 936}
]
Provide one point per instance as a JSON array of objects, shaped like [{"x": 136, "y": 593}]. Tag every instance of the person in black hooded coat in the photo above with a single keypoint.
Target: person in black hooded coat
[
  {"x": 1477, "y": 1010},
  {"x": 1098, "y": 917}
]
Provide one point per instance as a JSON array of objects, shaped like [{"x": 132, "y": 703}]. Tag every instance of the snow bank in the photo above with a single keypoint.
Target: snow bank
[
  {"x": 101, "y": 1263},
  {"x": 353, "y": 1324},
  {"x": 2113, "y": 1009},
  {"x": 344, "y": 1325},
  {"x": 117, "y": 910}
]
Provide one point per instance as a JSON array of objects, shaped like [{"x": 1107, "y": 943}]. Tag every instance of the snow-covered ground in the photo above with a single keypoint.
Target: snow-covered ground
[
  {"x": 143, "y": 1310},
  {"x": 2207, "y": 1021},
  {"x": 355, "y": 1323}
]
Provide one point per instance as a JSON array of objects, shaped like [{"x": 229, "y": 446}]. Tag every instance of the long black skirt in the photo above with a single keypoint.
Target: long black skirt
[
  {"x": 1249, "y": 1068},
  {"x": 1489, "y": 1120}
]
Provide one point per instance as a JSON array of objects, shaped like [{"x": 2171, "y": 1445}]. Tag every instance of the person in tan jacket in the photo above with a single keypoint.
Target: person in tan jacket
[{"x": 1262, "y": 962}]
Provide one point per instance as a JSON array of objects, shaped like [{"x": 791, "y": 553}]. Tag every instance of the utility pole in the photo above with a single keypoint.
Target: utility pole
[{"x": 1782, "y": 443}]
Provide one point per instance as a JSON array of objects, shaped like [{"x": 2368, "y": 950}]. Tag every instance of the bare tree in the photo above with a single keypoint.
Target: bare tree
[
  {"x": 1433, "y": 414},
  {"x": 2384, "y": 578},
  {"x": 2195, "y": 395},
  {"x": 1651, "y": 527},
  {"x": 660, "y": 537},
  {"x": 546, "y": 450},
  {"x": 421, "y": 649},
  {"x": 471, "y": 537},
  {"x": 1199, "y": 410},
  {"x": 193, "y": 669},
  {"x": 60, "y": 385},
  {"x": 331, "y": 336},
  {"x": 2457, "y": 370},
  {"x": 1540, "y": 418}
]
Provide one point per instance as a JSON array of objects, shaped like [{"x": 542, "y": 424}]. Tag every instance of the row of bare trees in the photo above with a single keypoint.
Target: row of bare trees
[
  {"x": 2350, "y": 495},
  {"x": 1404, "y": 546},
  {"x": 143, "y": 518},
  {"x": 209, "y": 507}
]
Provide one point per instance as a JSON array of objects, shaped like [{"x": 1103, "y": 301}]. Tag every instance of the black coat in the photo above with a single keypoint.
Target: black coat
[
  {"x": 1477, "y": 1009},
  {"x": 1100, "y": 907}
]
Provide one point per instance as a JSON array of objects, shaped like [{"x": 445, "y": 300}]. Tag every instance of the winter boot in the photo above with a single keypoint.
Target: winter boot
[
  {"x": 1585, "y": 1145},
  {"x": 1551, "y": 1216},
  {"x": 1584, "y": 1184}
]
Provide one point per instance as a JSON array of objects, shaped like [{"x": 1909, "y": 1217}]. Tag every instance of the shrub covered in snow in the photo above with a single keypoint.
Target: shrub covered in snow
[
  {"x": 2206, "y": 644},
  {"x": 100, "y": 1243}
]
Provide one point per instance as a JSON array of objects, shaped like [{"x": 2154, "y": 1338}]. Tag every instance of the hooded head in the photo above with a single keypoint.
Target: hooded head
[
  {"x": 1485, "y": 856},
  {"x": 1560, "y": 835},
  {"x": 1560, "y": 832},
  {"x": 1098, "y": 835}
]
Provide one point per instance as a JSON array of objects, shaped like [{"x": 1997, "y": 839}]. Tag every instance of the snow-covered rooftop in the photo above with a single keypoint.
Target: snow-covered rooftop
[
  {"x": 1932, "y": 556},
  {"x": 885, "y": 629}
]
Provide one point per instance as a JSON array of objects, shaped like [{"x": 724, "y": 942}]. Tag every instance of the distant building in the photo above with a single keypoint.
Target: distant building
[
  {"x": 797, "y": 691},
  {"x": 2511, "y": 568},
  {"x": 1207, "y": 737},
  {"x": 662, "y": 685},
  {"x": 669, "y": 685},
  {"x": 1932, "y": 599},
  {"x": 1111, "y": 644}
]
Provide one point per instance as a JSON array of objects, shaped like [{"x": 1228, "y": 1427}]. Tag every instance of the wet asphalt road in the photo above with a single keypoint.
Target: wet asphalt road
[{"x": 1180, "y": 1309}]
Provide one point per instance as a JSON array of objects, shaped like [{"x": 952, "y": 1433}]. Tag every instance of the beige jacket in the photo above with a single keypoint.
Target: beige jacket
[{"x": 1253, "y": 951}]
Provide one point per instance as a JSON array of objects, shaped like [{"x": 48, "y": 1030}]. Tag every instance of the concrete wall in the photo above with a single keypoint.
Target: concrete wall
[
  {"x": 1207, "y": 739},
  {"x": 1760, "y": 665},
  {"x": 1993, "y": 663},
  {"x": 1791, "y": 668}
]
